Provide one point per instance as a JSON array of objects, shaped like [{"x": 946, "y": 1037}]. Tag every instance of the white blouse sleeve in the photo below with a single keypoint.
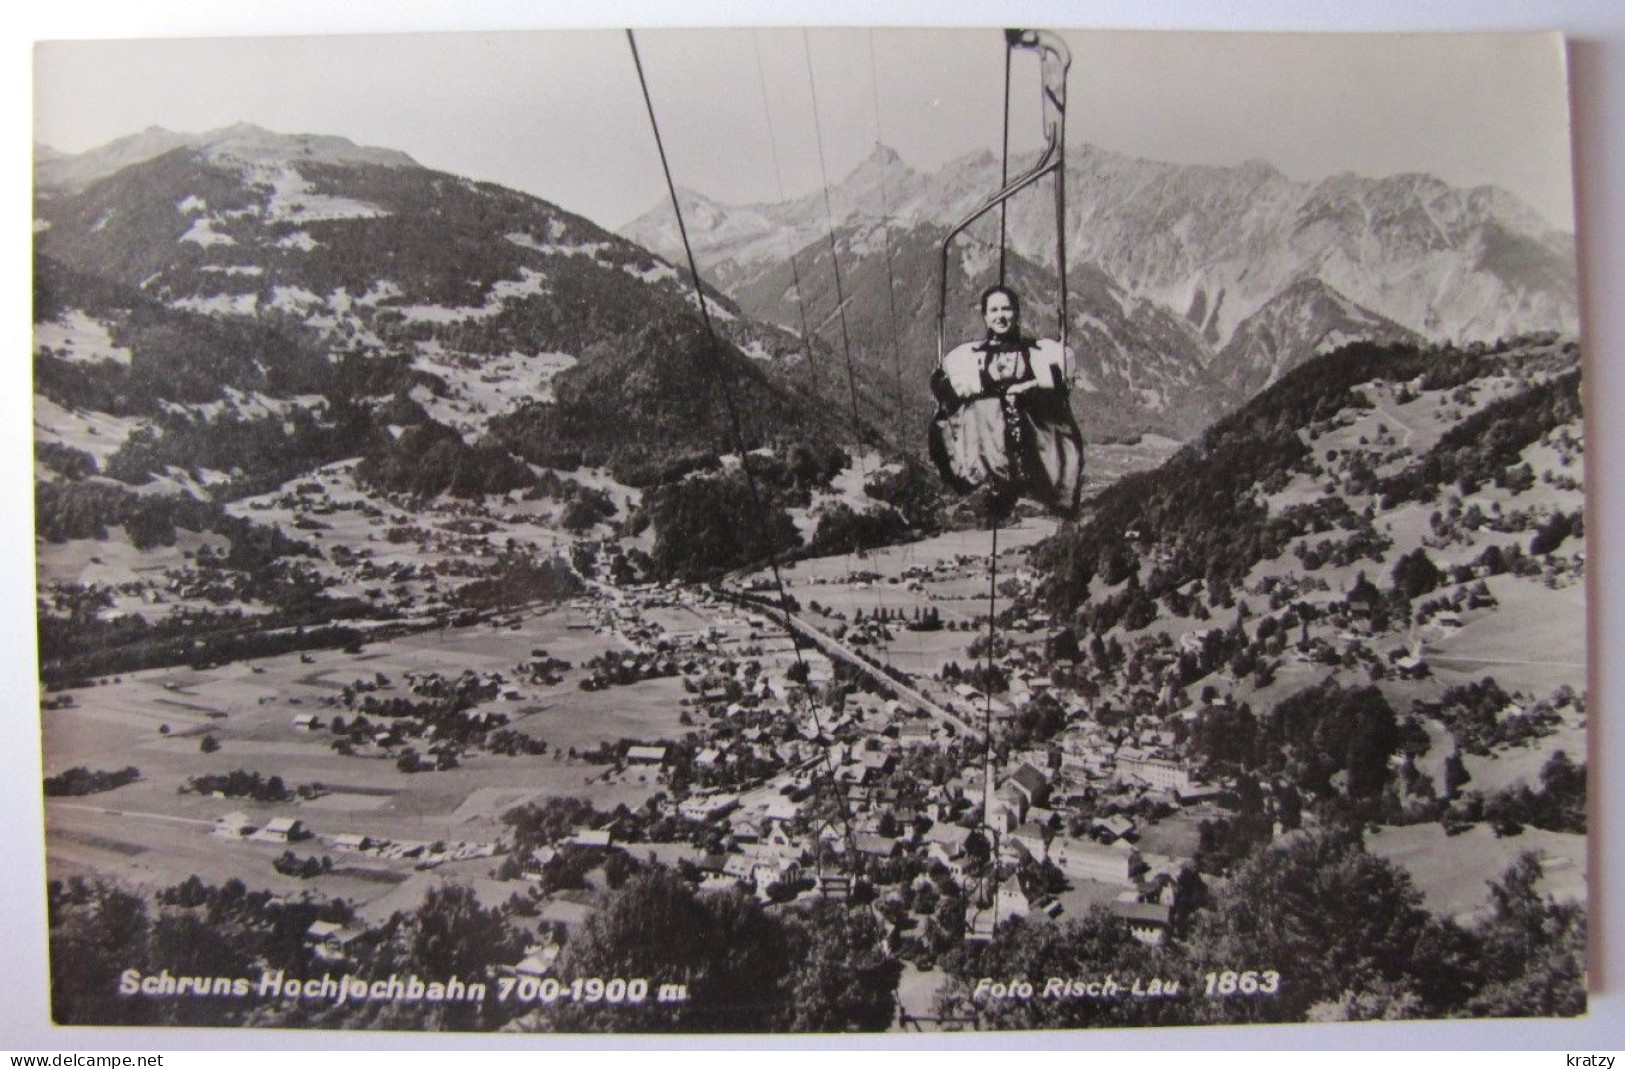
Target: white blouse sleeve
[
  {"x": 1053, "y": 366},
  {"x": 963, "y": 366}
]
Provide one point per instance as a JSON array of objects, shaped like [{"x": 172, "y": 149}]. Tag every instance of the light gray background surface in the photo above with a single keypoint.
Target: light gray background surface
[{"x": 1596, "y": 29}]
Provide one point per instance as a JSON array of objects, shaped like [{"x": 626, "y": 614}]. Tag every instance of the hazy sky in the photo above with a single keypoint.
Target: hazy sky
[{"x": 558, "y": 113}]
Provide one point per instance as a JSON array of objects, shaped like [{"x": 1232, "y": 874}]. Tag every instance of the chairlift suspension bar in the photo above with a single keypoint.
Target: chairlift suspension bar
[
  {"x": 1060, "y": 198},
  {"x": 1004, "y": 165},
  {"x": 1055, "y": 60}
]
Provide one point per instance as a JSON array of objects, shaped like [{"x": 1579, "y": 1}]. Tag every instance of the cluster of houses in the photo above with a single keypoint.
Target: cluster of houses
[
  {"x": 779, "y": 839},
  {"x": 763, "y": 749},
  {"x": 1076, "y": 803},
  {"x": 449, "y": 540},
  {"x": 238, "y": 825}
]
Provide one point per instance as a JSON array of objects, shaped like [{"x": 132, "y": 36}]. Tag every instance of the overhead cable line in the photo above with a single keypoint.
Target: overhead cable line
[
  {"x": 1004, "y": 166},
  {"x": 716, "y": 369},
  {"x": 834, "y": 258},
  {"x": 807, "y": 337},
  {"x": 885, "y": 232},
  {"x": 835, "y": 268}
]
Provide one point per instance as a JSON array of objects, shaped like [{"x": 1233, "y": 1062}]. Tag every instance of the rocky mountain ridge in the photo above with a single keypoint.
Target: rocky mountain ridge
[
  {"x": 1404, "y": 255},
  {"x": 409, "y": 289}
]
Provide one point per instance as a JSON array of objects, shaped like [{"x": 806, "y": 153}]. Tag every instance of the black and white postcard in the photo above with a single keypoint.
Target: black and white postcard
[{"x": 774, "y": 531}]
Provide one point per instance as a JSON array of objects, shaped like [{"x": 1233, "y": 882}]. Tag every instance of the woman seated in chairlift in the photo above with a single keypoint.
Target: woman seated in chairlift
[{"x": 1004, "y": 415}]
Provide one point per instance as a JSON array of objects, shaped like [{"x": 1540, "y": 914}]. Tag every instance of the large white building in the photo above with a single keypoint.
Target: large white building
[
  {"x": 1081, "y": 859},
  {"x": 1152, "y": 769}
]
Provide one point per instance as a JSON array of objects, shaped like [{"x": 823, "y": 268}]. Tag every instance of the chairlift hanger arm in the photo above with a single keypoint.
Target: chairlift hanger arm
[{"x": 1055, "y": 59}]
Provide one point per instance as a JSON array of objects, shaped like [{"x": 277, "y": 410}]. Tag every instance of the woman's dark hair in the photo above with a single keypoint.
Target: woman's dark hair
[{"x": 987, "y": 295}]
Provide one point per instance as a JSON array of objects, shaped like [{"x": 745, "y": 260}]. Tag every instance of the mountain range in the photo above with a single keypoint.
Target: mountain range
[
  {"x": 299, "y": 366},
  {"x": 414, "y": 293},
  {"x": 1192, "y": 287}
]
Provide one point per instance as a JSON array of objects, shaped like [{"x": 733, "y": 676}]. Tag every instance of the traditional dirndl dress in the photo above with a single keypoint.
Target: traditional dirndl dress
[{"x": 1004, "y": 421}]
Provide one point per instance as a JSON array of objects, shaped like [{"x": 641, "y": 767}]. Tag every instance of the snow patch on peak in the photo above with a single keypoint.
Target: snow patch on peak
[
  {"x": 482, "y": 385},
  {"x": 381, "y": 290},
  {"x": 202, "y": 232},
  {"x": 553, "y": 247},
  {"x": 712, "y": 308},
  {"x": 76, "y": 337},
  {"x": 300, "y": 240},
  {"x": 530, "y": 283},
  {"x": 342, "y": 301},
  {"x": 254, "y": 145},
  {"x": 241, "y": 304},
  {"x": 293, "y": 299},
  {"x": 660, "y": 272},
  {"x": 96, "y": 433},
  {"x": 294, "y": 200}
]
